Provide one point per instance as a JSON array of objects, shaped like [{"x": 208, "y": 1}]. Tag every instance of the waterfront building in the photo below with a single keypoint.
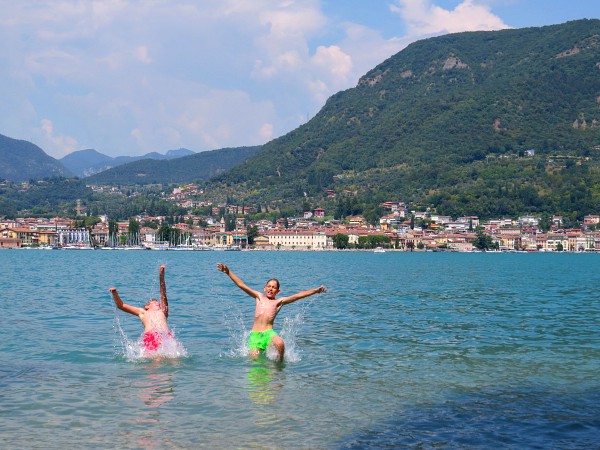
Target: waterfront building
[
  {"x": 235, "y": 238},
  {"x": 100, "y": 234},
  {"x": 460, "y": 242},
  {"x": 262, "y": 243},
  {"x": 201, "y": 236},
  {"x": 556, "y": 241},
  {"x": 297, "y": 239},
  {"x": 9, "y": 243},
  {"x": 30, "y": 237},
  {"x": 76, "y": 237},
  {"x": 509, "y": 238}
]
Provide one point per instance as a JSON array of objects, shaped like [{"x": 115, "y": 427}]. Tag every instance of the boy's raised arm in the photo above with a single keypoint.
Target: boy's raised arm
[
  {"x": 164, "y": 303},
  {"x": 302, "y": 294},
  {"x": 124, "y": 306},
  {"x": 239, "y": 283}
]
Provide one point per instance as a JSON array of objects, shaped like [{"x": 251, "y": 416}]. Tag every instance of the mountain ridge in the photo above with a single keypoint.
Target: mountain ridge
[
  {"x": 84, "y": 163},
  {"x": 185, "y": 169}
]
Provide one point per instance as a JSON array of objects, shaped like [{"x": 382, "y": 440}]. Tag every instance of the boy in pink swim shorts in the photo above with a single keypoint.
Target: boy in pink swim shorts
[{"x": 153, "y": 315}]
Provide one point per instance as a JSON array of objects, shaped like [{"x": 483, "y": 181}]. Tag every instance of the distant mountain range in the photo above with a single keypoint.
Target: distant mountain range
[
  {"x": 23, "y": 161},
  {"x": 186, "y": 169},
  {"x": 84, "y": 163}
]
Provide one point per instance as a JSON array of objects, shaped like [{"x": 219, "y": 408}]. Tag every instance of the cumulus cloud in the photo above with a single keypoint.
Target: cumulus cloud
[
  {"x": 331, "y": 70},
  {"x": 63, "y": 144},
  {"x": 423, "y": 17},
  {"x": 266, "y": 131},
  {"x": 334, "y": 61},
  {"x": 318, "y": 89},
  {"x": 283, "y": 33}
]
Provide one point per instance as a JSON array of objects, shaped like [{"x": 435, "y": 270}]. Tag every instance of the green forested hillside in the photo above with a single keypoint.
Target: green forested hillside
[
  {"x": 448, "y": 122},
  {"x": 199, "y": 166},
  {"x": 59, "y": 196}
]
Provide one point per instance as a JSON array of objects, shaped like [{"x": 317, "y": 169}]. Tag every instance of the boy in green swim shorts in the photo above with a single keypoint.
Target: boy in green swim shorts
[
  {"x": 261, "y": 339},
  {"x": 267, "y": 307}
]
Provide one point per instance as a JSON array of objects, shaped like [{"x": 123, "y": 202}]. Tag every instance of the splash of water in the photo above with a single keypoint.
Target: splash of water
[
  {"x": 135, "y": 350},
  {"x": 238, "y": 334},
  {"x": 289, "y": 333}
]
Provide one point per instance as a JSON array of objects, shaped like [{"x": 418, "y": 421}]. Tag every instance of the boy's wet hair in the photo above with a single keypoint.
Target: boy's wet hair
[
  {"x": 275, "y": 280},
  {"x": 150, "y": 301}
]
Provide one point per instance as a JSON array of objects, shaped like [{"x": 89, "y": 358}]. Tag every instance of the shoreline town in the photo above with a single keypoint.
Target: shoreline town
[{"x": 400, "y": 230}]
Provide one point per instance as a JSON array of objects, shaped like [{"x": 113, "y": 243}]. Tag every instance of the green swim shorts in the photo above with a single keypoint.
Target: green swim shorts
[{"x": 261, "y": 339}]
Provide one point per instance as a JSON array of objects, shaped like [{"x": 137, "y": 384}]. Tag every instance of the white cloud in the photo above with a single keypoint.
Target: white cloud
[
  {"x": 333, "y": 61},
  {"x": 423, "y": 17},
  {"x": 199, "y": 117},
  {"x": 318, "y": 89},
  {"x": 292, "y": 20},
  {"x": 64, "y": 144},
  {"x": 282, "y": 38},
  {"x": 266, "y": 131},
  {"x": 331, "y": 71}
]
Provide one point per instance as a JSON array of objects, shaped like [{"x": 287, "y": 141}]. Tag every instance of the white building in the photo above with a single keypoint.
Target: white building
[{"x": 298, "y": 240}]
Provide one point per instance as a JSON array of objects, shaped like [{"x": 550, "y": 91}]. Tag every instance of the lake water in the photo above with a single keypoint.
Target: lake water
[{"x": 417, "y": 350}]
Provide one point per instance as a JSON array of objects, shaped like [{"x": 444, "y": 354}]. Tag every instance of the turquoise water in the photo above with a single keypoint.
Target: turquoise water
[{"x": 418, "y": 350}]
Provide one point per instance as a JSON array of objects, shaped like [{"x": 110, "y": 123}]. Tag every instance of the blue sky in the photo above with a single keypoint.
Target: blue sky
[{"x": 128, "y": 77}]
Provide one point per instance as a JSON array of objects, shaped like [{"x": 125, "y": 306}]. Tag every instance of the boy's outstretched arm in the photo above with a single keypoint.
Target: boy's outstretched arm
[
  {"x": 164, "y": 303},
  {"x": 302, "y": 294},
  {"x": 239, "y": 283},
  {"x": 124, "y": 306}
]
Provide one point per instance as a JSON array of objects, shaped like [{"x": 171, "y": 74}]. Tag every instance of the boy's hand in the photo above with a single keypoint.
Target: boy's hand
[
  {"x": 223, "y": 268},
  {"x": 112, "y": 290},
  {"x": 321, "y": 289}
]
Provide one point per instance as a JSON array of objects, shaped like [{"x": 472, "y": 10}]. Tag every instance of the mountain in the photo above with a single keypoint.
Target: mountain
[
  {"x": 84, "y": 163},
  {"x": 488, "y": 123},
  {"x": 194, "y": 167},
  {"x": 22, "y": 161},
  {"x": 171, "y": 154}
]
